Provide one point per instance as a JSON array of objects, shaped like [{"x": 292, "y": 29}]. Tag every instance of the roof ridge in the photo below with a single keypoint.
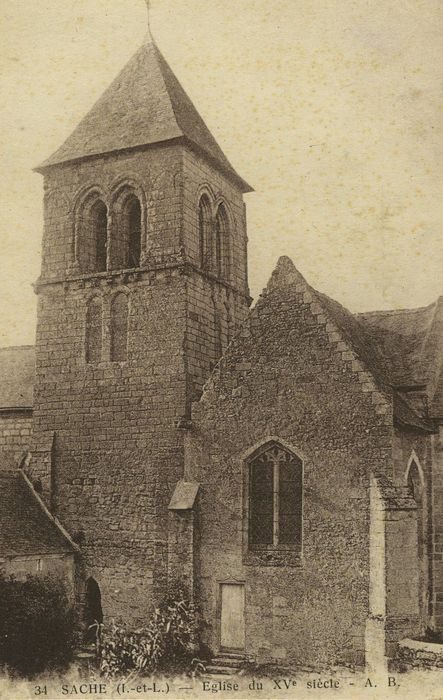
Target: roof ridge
[
  {"x": 375, "y": 312},
  {"x": 161, "y": 59}
]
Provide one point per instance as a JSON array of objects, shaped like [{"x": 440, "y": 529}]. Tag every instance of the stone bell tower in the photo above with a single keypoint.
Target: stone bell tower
[{"x": 143, "y": 282}]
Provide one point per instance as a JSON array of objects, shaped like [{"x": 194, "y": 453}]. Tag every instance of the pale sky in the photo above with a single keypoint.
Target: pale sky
[{"x": 330, "y": 109}]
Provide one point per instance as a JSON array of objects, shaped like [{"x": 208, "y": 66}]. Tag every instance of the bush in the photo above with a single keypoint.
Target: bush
[
  {"x": 168, "y": 641},
  {"x": 36, "y": 625}
]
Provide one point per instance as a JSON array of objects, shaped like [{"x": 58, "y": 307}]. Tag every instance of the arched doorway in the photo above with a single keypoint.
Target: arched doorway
[{"x": 93, "y": 608}]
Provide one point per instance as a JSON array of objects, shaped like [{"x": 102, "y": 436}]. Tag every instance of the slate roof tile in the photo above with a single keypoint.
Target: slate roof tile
[
  {"x": 144, "y": 105},
  {"x": 400, "y": 335},
  {"x": 24, "y": 527}
]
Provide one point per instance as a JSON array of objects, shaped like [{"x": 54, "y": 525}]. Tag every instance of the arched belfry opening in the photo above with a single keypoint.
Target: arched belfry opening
[
  {"x": 91, "y": 234},
  {"x": 134, "y": 224},
  {"x": 127, "y": 230},
  {"x": 93, "y": 607},
  {"x": 99, "y": 218}
]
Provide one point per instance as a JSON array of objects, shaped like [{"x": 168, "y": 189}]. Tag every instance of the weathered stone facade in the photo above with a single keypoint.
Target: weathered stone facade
[
  {"x": 17, "y": 376},
  {"x": 416, "y": 655},
  {"x": 15, "y": 436},
  {"x": 157, "y": 391},
  {"x": 288, "y": 377},
  {"x": 117, "y": 425}
]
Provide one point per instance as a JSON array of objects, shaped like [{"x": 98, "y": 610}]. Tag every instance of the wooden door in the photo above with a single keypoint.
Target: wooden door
[{"x": 232, "y": 623}]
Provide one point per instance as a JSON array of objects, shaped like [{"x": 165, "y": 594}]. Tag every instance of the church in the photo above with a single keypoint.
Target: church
[{"x": 284, "y": 460}]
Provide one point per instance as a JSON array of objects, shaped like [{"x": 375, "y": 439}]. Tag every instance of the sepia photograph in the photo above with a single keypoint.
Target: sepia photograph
[{"x": 221, "y": 349}]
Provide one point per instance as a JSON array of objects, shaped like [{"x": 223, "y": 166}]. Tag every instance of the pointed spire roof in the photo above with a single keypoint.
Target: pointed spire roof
[{"x": 144, "y": 105}]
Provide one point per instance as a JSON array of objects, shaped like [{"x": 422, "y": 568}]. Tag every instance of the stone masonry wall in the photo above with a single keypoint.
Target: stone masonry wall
[
  {"x": 415, "y": 655},
  {"x": 156, "y": 174},
  {"x": 15, "y": 437},
  {"x": 289, "y": 375},
  {"x": 216, "y": 308},
  {"x": 200, "y": 177},
  {"x": 118, "y": 444},
  {"x": 437, "y": 528},
  {"x": 215, "y": 312},
  {"x": 118, "y": 453}
]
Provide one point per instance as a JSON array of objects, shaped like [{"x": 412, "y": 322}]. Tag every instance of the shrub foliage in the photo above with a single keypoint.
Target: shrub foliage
[
  {"x": 167, "y": 642},
  {"x": 36, "y": 625}
]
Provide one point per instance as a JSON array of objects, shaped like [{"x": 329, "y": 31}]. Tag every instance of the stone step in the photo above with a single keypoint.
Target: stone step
[
  {"x": 83, "y": 655},
  {"x": 87, "y": 651},
  {"x": 226, "y": 661},
  {"x": 219, "y": 670}
]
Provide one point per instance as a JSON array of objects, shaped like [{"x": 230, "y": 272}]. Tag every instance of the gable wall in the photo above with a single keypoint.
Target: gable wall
[{"x": 284, "y": 377}]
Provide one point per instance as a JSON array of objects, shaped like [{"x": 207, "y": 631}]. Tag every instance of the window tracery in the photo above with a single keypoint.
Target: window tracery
[{"x": 275, "y": 498}]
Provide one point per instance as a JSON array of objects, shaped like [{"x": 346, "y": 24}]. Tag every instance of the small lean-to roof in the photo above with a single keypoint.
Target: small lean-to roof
[
  {"x": 17, "y": 374},
  {"x": 143, "y": 106},
  {"x": 184, "y": 495},
  {"x": 25, "y": 529}
]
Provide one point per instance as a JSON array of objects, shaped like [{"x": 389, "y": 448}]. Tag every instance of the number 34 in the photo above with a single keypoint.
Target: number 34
[{"x": 40, "y": 690}]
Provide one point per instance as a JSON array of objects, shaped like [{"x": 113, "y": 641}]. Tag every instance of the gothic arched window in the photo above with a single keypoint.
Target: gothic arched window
[
  {"x": 275, "y": 498},
  {"x": 204, "y": 231},
  {"x": 416, "y": 486},
  {"x": 134, "y": 223},
  {"x": 99, "y": 219},
  {"x": 119, "y": 328},
  {"x": 93, "y": 335},
  {"x": 221, "y": 248}
]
